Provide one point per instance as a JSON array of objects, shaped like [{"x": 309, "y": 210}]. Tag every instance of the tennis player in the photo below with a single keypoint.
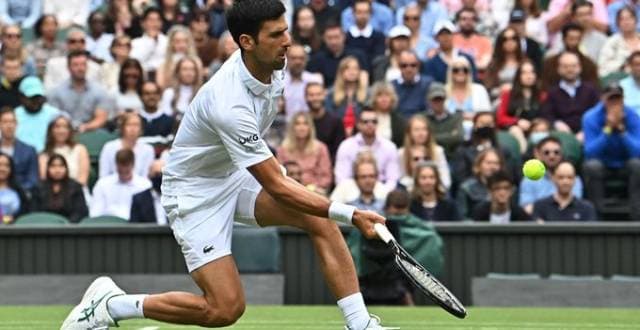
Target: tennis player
[{"x": 220, "y": 170}]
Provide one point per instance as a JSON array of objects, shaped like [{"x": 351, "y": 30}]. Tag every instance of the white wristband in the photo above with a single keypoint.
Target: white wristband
[{"x": 341, "y": 212}]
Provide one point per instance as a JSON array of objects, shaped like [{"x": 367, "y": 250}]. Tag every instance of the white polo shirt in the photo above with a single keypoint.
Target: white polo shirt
[{"x": 221, "y": 131}]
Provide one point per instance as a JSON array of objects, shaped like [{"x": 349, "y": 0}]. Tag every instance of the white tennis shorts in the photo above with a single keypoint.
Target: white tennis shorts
[{"x": 203, "y": 223}]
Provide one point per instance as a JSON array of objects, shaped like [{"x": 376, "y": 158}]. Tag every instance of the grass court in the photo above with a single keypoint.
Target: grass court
[{"x": 329, "y": 318}]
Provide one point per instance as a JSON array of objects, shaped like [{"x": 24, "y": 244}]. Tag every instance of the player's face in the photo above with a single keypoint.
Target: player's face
[
  {"x": 419, "y": 132},
  {"x": 57, "y": 170},
  {"x": 273, "y": 42},
  {"x": 427, "y": 180}
]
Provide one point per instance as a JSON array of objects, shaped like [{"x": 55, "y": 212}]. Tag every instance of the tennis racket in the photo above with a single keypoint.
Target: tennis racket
[{"x": 420, "y": 277}]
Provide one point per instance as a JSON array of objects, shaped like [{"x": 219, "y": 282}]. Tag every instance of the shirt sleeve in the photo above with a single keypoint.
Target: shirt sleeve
[{"x": 240, "y": 135}]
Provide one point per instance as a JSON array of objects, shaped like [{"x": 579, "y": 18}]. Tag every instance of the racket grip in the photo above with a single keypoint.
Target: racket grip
[{"x": 384, "y": 233}]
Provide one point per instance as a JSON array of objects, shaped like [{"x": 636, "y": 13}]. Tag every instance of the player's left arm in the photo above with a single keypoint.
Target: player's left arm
[{"x": 294, "y": 195}]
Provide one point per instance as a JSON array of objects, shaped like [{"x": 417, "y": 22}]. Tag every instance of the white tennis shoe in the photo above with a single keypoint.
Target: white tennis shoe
[
  {"x": 374, "y": 324},
  {"x": 92, "y": 313}
]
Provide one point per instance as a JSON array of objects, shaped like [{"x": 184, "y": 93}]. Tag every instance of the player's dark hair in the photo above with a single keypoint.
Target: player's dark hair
[
  {"x": 570, "y": 27},
  {"x": 398, "y": 198},
  {"x": 546, "y": 140},
  {"x": 77, "y": 53},
  {"x": 247, "y": 16},
  {"x": 125, "y": 157},
  {"x": 499, "y": 177}
]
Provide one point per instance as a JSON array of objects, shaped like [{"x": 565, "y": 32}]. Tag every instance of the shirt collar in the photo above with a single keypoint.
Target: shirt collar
[
  {"x": 254, "y": 85},
  {"x": 416, "y": 80},
  {"x": 360, "y": 139},
  {"x": 570, "y": 89},
  {"x": 366, "y": 32},
  {"x": 150, "y": 115}
]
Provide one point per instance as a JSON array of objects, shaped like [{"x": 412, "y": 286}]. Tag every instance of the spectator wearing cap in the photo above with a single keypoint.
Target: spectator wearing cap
[
  {"x": 87, "y": 102},
  {"x": 615, "y": 6},
  {"x": 500, "y": 209},
  {"x": 612, "y": 148},
  {"x": 296, "y": 79},
  {"x": 468, "y": 40},
  {"x": 421, "y": 43},
  {"x": 431, "y": 12},
  {"x": 592, "y": 38},
  {"x": 411, "y": 87},
  {"x": 529, "y": 47},
  {"x": 563, "y": 204},
  {"x": 570, "y": 98},
  {"x": 24, "y": 13},
  {"x": 559, "y": 13},
  {"x": 571, "y": 39},
  {"x": 325, "y": 61},
  {"x": 35, "y": 114},
  {"x": 445, "y": 126},
  {"x": 57, "y": 70},
  {"x": 631, "y": 84},
  {"x": 385, "y": 67},
  {"x": 381, "y": 17},
  {"x": 620, "y": 45},
  {"x": 362, "y": 35},
  {"x": 151, "y": 47},
  {"x": 549, "y": 152},
  {"x": 438, "y": 64}
]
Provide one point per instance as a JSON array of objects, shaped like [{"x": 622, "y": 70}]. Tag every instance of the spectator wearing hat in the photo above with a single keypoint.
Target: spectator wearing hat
[
  {"x": 385, "y": 67},
  {"x": 612, "y": 148},
  {"x": 631, "y": 84},
  {"x": 411, "y": 87},
  {"x": 570, "y": 98},
  {"x": 468, "y": 40},
  {"x": 431, "y": 12},
  {"x": 563, "y": 204},
  {"x": 362, "y": 35},
  {"x": 445, "y": 126},
  {"x": 529, "y": 47},
  {"x": 438, "y": 64},
  {"x": 34, "y": 114},
  {"x": 381, "y": 17}
]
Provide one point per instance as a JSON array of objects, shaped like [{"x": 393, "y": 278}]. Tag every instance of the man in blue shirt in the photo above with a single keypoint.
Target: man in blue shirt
[
  {"x": 35, "y": 114},
  {"x": 612, "y": 148},
  {"x": 381, "y": 18},
  {"x": 432, "y": 12},
  {"x": 411, "y": 87},
  {"x": 549, "y": 151},
  {"x": 366, "y": 176},
  {"x": 438, "y": 64}
]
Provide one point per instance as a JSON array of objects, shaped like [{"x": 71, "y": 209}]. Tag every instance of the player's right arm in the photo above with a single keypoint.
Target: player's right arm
[{"x": 294, "y": 195}]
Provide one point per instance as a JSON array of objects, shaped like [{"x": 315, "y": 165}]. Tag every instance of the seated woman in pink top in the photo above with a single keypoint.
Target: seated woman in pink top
[{"x": 300, "y": 144}]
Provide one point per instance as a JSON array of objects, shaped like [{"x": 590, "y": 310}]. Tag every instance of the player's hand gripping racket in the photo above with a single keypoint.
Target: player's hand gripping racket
[{"x": 420, "y": 277}]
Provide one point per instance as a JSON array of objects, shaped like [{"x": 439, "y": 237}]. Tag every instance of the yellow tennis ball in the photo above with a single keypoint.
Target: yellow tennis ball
[{"x": 533, "y": 169}]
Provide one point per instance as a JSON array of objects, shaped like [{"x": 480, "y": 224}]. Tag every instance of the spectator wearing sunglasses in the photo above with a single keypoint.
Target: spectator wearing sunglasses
[
  {"x": 385, "y": 152},
  {"x": 440, "y": 59},
  {"x": 411, "y": 87},
  {"x": 549, "y": 152}
]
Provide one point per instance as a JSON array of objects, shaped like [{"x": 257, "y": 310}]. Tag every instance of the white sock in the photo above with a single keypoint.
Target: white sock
[
  {"x": 355, "y": 312},
  {"x": 126, "y": 307}
]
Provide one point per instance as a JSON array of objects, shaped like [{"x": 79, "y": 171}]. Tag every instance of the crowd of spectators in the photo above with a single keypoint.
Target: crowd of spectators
[{"x": 444, "y": 99}]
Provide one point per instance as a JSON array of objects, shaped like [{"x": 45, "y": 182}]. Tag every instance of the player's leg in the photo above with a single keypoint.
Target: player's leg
[
  {"x": 221, "y": 304},
  {"x": 335, "y": 260}
]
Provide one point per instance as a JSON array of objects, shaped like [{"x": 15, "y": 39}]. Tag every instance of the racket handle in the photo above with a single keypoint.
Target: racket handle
[{"x": 384, "y": 233}]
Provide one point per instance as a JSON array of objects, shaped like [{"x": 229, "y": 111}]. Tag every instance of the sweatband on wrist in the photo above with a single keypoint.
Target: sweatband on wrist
[{"x": 341, "y": 212}]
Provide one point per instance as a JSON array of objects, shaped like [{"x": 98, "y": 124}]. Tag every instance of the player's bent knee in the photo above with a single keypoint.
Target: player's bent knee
[{"x": 223, "y": 316}]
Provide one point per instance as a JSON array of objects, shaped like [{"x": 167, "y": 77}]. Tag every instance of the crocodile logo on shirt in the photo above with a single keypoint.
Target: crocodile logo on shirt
[{"x": 249, "y": 139}]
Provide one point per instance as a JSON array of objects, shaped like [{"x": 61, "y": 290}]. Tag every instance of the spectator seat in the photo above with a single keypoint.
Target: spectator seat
[
  {"x": 571, "y": 147},
  {"x": 41, "y": 218},
  {"x": 105, "y": 220}
]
